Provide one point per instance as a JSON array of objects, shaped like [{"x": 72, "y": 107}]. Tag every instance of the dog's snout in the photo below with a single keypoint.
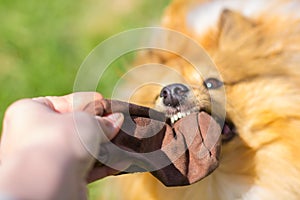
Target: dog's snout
[{"x": 174, "y": 94}]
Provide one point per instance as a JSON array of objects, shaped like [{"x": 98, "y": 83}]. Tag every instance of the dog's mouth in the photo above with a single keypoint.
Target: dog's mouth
[
  {"x": 177, "y": 101},
  {"x": 175, "y": 114}
]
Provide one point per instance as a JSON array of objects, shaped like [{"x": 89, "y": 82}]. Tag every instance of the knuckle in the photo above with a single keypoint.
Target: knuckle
[{"x": 17, "y": 108}]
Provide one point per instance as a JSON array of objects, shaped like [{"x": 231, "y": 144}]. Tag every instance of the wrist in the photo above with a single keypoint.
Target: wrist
[{"x": 43, "y": 174}]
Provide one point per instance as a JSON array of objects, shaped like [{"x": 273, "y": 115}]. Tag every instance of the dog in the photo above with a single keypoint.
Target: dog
[{"x": 255, "y": 46}]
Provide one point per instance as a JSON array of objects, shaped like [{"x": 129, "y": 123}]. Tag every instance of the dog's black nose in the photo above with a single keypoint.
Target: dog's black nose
[{"x": 174, "y": 94}]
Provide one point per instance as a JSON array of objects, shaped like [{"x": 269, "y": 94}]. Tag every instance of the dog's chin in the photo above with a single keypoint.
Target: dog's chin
[{"x": 175, "y": 114}]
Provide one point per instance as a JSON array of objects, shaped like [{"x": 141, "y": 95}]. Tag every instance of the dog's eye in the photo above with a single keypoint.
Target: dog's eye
[{"x": 212, "y": 83}]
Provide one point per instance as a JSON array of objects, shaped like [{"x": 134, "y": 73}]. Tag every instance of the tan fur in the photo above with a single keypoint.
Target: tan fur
[{"x": 259, "y": 61}]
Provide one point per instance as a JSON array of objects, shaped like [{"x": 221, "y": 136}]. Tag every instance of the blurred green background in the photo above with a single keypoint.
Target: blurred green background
[{"x": 43, "y": 43}]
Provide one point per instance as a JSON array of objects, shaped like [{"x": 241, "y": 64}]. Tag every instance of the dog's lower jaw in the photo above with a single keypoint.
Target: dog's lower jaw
[
  {"x": 219, "y": 185},
  {"x": 238, "y": 177}
]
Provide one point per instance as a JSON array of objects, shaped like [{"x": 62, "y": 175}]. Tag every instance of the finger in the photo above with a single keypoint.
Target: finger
[
  {"x": 110, "y": 125},
  {"x": 71, "y": 102}
]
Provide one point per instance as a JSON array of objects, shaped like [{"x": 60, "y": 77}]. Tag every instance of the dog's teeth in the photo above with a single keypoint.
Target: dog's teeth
[
  {"x": 175, "y": 117},
  {"x": 179, "y": 115},
  {"x": 172, "y": 120}
]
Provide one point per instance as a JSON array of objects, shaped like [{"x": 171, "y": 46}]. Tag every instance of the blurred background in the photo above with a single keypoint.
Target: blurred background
[{"x": 43, "y": 43}]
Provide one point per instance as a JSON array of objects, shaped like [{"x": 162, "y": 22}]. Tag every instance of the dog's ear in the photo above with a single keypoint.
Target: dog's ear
[{"x": 233, "y": 25}]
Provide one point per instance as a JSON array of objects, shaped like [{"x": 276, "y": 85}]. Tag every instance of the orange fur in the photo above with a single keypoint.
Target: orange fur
[{"x": 259, "y": 60}]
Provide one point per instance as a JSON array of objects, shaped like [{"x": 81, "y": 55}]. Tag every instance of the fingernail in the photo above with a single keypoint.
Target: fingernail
[{"x": 117, "y": 119}]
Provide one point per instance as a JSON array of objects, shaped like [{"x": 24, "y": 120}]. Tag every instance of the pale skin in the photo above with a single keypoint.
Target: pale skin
[{"x": 47, "y": 146}]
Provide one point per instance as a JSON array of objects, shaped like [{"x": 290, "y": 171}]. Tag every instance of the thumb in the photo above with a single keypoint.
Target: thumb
[{"x": 110, "y": 125}]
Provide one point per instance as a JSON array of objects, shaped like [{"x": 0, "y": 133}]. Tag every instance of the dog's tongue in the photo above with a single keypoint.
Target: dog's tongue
[{"x": 179, "y": 155}]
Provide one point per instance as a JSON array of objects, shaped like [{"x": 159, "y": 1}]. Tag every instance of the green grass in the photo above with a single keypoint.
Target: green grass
[{"x": 43, "y": 43}]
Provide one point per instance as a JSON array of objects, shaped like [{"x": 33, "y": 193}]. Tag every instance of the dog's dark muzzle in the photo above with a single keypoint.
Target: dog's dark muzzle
[{"x": 173, "y": 95}]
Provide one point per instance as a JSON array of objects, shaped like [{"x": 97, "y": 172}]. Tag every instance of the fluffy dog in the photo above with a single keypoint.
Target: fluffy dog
[{"x": 256, "y": 47}]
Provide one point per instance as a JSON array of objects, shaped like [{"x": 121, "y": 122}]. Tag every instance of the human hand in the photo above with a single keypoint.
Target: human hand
[{"x": 47, "y": 146}]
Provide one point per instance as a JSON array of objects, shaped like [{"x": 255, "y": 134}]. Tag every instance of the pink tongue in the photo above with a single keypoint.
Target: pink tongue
[
  {"x": 227, "y": 133},
  {"x": 177, "y": 156}
]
